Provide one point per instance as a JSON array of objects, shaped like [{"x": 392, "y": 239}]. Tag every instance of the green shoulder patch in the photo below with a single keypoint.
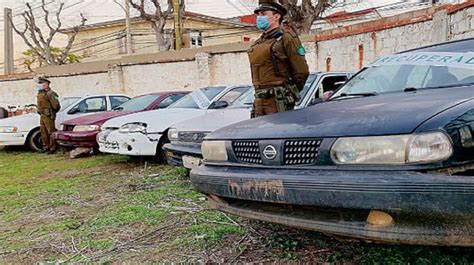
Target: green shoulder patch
[{"x": 301, "y": 51}]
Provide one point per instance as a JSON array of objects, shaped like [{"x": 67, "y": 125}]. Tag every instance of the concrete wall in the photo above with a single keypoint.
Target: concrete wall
[{"x": 340, "y": 49}]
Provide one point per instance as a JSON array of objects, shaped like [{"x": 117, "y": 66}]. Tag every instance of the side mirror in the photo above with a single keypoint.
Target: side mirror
[
  {"x": 73, "y": 111},
  {"x": 219, "y": 104}
]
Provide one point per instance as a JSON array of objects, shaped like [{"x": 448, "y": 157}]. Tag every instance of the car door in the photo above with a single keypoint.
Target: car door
[
  {"x": 326, "y": 83},
  {"x": 84, "y": 107}
]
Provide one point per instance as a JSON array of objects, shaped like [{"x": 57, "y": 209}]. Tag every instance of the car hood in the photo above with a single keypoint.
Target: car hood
[
  {"x": 213, "y": 121},
  {"x": 397, "y": 113},
  {"x": 96, "y": 119},
  {"x": 22, "y": 122},
  {"x": 156, "y": 120}
]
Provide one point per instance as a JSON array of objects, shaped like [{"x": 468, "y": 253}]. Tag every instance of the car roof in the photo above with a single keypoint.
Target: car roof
[
  {"x": 164, "y": 93},
  {"x": 457, "y": 46}
]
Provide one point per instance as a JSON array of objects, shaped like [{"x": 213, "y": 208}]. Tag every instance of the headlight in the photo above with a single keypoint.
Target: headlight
[
  {"x": 214, "y": 150},
  {"x": 429, "y": 147},
  {"x": 11, "y": 129},
  {"x": 86, "y": 128},
  {"x": 397, "y": 149},
  {"x": 173, "y": 134},
  {"x": 133, "y": 128}
]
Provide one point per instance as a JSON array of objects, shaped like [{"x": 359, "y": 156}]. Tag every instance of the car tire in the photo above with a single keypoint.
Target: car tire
[
  {"x": 160, "y": 156},
  {"x": 33, "y": 141}
]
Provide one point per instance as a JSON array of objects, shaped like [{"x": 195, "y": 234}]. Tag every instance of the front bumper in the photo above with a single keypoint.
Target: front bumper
[
  {"x": 427, "y": 209},
  {"x": 132, "y": 144},
  {"x": 11, "y": 139},
  {"x": 175, "y": 152},
  {"x": 76, "y": 139}
]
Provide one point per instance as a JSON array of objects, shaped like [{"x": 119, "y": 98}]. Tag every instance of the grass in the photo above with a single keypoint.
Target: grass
[{"x": 109, "y": 209}]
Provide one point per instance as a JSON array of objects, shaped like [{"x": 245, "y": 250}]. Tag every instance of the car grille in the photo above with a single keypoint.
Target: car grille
[
  {"x": 247, "y": 152},
  {"x": 68, "y": 128},
  {"x": 301, "y": 152},
  {"x": 296, "y": 152},
  {"x": 191, "y": 137}
]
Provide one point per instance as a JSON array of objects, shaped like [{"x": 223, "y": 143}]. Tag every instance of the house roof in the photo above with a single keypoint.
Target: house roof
[{"x": 187, "y": 15}]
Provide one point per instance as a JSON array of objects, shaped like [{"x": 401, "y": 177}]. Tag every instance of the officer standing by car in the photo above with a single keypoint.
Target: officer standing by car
[
  {"x": 48, "y": 106},
  {"x": 277, "y": 61}
]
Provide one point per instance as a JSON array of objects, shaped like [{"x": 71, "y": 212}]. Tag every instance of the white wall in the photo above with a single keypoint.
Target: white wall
[{"x": 229, "y": 64}]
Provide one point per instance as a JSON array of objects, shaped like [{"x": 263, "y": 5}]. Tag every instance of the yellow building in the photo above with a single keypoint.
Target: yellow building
[{"x": 107, "y": 40}]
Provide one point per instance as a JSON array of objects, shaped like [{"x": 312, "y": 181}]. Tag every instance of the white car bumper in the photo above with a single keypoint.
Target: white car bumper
[
  {"x": 132, "y": 144},
  {"x": 8, "y": 139}
]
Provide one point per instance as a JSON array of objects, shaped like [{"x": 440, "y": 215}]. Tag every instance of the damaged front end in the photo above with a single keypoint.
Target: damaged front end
[{"x": 383, "y": 206}]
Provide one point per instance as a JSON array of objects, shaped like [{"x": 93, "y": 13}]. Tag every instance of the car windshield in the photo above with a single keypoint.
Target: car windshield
[
  {"x": 138, "y": 103},
  {"x": 306, "y": 87},
  {"x": 411, "y": 71},
  {"x": 198, "y": 99},
  {"x": 245, "y": 100},
  {"x": 67, "y": 101}
]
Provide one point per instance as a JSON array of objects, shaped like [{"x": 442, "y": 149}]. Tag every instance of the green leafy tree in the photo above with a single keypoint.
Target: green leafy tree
[{"x": 34, "y": 59}]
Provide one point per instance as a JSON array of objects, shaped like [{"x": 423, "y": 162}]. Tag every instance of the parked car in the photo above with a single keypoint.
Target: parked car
[
  {"x": 82, "y": 131},
  {"x": 144, "y": 134},
  {"x": 390, "y": 156},
  {"x": 186, "y": 137},
  {"x": 25, "y": 129}
]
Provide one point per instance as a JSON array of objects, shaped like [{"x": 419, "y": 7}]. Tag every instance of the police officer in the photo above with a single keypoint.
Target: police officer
[
  {"x": 278, "y": 64},
  {"x": 48, "y": 106}
]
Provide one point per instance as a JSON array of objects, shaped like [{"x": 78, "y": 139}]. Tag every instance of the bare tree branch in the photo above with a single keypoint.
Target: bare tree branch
[
  {"x": 302, "y": 16},
  {"x": 38, "y": 41},
  {"x": 157, "y": 20}
]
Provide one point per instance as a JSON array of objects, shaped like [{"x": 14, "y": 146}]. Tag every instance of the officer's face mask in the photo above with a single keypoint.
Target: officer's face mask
[
  {"x": 39, "y": 87},
  {"x": 263, "y": 23}
]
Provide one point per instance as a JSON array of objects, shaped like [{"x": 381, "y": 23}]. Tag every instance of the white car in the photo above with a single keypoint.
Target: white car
[
  {"x": 145, "y": 133},
  {"x": 186, "y": 137},
  {"x": 25, "y": 129}
]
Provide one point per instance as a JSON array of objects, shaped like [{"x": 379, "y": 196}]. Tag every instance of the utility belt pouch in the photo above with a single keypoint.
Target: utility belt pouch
[
  {"x": 265, "y": 93},
  {"x": 294, "y": 90}
]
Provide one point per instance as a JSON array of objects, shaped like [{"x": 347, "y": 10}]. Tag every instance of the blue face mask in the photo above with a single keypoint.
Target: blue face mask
[
  {"x": 262, "y": 22},
  {"x": 39, "y": 87}
]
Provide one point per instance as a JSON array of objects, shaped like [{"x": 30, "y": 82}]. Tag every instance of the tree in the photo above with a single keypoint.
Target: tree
[
  {"x": 33, "y": 59},
  {"x": 302, "y": 16},
  {"x": 157, "y": 20},
  {"x": 39, "y": 41}
]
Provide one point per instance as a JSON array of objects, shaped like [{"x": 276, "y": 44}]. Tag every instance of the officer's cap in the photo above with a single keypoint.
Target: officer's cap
[
  {"x": 43, "y": 80},
  {"x": 272, "y": 6}
]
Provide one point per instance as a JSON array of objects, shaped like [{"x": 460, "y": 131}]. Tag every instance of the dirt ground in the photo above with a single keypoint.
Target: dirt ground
[{"x": 113, "y": 209}]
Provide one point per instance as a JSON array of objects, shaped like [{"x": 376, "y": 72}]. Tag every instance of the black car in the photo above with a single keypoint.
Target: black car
[{"x": 390, "y": 156}]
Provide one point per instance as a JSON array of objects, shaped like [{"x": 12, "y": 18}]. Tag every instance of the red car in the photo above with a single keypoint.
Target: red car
[{"x": 82, "y": 132}]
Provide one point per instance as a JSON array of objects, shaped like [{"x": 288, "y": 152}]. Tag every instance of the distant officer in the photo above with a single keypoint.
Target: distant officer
[
  {"x": 278, "y": 64},
  {"x": 48, "y": 106}
]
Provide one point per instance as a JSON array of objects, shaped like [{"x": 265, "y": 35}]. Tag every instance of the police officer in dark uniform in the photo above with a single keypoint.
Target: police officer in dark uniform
[
  {"x": 48, "y": 106},
  {"x": 278, "y": 64}
]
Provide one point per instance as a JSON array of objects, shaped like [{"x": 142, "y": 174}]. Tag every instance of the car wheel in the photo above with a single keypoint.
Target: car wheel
[
  {"x": 160, "y": 153},
  {"x": 34, "y": 141}
]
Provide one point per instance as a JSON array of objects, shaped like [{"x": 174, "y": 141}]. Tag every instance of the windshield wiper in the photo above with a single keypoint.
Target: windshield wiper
[
  {"x": 355, "y": 95},
  {"x": 118, "y": 108}
]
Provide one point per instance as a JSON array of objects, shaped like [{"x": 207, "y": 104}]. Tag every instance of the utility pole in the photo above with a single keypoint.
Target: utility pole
[
  {"x": 8, "y": 41},
  {"x": 128, "y": 25},
  {"x": 177, "y": 23}
]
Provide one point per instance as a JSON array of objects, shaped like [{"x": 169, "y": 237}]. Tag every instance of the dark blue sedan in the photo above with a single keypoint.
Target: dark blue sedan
[{"x": 389, "y": 157}]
